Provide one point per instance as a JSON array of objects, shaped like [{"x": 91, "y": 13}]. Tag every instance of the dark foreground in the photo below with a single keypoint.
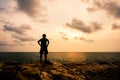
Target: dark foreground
[{"x": 56, "y": 71}]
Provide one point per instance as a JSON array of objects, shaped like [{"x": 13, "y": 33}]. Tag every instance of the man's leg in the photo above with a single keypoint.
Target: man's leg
[
  {"x": 41, "y": 53},
  {"x": 45, "y": 56}
]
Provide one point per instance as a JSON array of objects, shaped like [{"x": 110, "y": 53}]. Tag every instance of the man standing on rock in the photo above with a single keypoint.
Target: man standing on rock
[{"x": 43, "y": 42}]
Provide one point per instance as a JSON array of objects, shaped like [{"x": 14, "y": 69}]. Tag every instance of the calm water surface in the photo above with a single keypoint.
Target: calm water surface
[{"x": 63, "y": 57}]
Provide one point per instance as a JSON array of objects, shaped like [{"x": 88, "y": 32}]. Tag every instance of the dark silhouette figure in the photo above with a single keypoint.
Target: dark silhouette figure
[{"x": 43, "y": 42}]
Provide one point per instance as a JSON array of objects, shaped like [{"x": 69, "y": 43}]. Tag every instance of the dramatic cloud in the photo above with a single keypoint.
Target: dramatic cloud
[
  {"x": 30, "y": 7},
  {"x": 19, "y": 34},
  {"x": 111, "y": 7},
  {"x": 19, "y": 29},
  {"x": 64, "y": 36},
  {"x": 83, "y": 39},
  {"x": 115, "y": 27},
  {"x": 79, "y": 25}
]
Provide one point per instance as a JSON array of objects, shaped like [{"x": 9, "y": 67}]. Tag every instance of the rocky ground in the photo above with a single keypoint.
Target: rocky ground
[
  {"x": 97, "y": 71},
  {"x": 56, "y": 71},
  {"x": 36, "y": 71}
]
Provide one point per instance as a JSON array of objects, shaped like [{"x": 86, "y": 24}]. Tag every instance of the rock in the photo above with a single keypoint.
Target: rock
[{"x": 36, "y": 71}]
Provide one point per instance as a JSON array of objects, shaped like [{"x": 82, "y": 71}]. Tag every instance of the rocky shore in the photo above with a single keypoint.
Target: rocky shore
[
  {"x": 97, "y": 71},
  {"x": 57, "y": 71}
]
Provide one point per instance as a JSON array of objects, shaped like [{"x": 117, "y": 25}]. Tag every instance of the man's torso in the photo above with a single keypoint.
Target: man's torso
[{"x": 43, "y": 43}]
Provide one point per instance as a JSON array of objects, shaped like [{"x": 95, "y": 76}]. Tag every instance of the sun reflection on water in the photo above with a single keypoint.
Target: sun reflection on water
[{"x": 75, "y": 57}]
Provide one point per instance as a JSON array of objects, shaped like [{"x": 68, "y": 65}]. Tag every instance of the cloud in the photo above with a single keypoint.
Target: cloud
[
  {"x": 19, "y": 29},
  {"x": 90, "y": 9},
  {"x": 64, "y": 36},
  {"x": 115, "y": 26},
  {"x": 13, "y": 43},
  {"x": 5, "y": 22},
  {"x": 16, "y": 34},
  {"x": 111, "y": 7},
  {"x": 7, "y": 6},
  {"x": 83, "y": 39},
  {"x": 19, "y": 32},
  {"x": 2, "y": 9},
  {"x": 34, "y": 9},
  {"x": 30, "y": 7},
  {"x": 5, "y": 43},
  {"x": 23, "y": 37},
  {"x": 79, "y": 25}
]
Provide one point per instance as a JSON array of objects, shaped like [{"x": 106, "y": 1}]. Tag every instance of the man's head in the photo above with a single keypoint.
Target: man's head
[{"x": 44, "y": 35}]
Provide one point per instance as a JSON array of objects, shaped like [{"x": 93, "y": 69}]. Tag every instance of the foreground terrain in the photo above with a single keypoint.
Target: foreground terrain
[{"x": 57, "y": 71}]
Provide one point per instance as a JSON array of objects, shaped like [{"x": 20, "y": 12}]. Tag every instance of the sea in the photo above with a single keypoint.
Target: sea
[{"x": 62, "y": 57}]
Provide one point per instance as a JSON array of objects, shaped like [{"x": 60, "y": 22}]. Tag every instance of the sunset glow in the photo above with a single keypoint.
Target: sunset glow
[{"x": 70, "y": 25}]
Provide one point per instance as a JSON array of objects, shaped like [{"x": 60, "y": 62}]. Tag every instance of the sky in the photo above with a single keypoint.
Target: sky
[{"x": 70, "y": 25}]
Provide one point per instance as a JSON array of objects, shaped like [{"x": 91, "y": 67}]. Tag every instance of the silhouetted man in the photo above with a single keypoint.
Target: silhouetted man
[{"x": 43, "y": 42}]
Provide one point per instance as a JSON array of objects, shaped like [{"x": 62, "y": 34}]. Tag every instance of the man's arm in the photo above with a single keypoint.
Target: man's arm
[
  {"x": 39, "y": 42},
  {"x": 47, "y": 42}
]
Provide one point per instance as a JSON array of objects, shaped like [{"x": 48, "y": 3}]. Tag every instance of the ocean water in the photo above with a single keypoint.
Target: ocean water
[{"x": 62, "y": 57}]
